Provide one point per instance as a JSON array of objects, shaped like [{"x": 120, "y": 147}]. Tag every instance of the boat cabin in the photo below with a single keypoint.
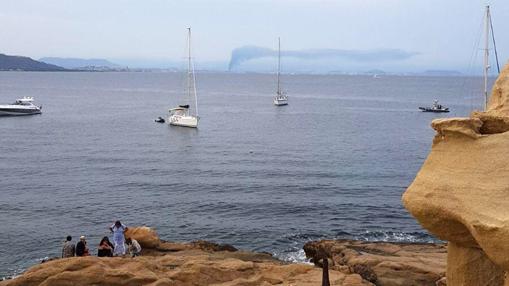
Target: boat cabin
[
  {"x": 24, "y": 101},
  {"x": 179, "y": 110}
]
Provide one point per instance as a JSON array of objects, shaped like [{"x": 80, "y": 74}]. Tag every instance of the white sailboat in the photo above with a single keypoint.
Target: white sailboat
[
  {"x": 488, "y": 27},
  {"x": 281, "y": 98},
  {"x": 181, "y": 115}
]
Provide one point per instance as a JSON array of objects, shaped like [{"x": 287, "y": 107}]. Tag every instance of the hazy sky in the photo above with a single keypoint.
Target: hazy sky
[{"x": 442, "y": 32}]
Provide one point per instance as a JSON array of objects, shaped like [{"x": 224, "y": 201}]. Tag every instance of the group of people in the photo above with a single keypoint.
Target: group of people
[{"x": 105, "y": 248}]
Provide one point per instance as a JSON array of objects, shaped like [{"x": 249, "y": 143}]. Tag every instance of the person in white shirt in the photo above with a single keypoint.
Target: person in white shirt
[
  {"x": 118, "y": 229},
  {"x": 134, "y": 247}
]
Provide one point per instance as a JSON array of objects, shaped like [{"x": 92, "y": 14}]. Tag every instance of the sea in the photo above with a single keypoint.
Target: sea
[{"x": 332, "y": 164}]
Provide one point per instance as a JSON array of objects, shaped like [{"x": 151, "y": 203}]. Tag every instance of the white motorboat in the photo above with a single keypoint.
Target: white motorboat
[
  {"x": 182, "y": 115},
  {"x": 281, "y": 98},
  {"x": 22, "y": 106}
]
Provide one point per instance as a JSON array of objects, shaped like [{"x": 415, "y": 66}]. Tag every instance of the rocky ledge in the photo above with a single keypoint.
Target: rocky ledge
[
  {"x": 166, "y": 263},
  {"x": 383, "y": 263}
]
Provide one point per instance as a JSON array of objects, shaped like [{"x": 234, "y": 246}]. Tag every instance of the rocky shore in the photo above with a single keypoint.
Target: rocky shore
[
  {"x": 383, "y": 263},
  {"x": 353, "y": 263}
]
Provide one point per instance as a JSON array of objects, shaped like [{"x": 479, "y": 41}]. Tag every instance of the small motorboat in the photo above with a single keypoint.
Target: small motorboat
[
  {"x": 436, "y": 107},
  {"x": 22, "y": 106},
  {"x": 160, "y": 120}
]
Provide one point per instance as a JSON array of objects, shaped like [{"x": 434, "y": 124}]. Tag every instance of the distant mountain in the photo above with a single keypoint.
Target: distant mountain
[
  {"x": 81, "y": 64},
  {"x": 18, "y": 63}
]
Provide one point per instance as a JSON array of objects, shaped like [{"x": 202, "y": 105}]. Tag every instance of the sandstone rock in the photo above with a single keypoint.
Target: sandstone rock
[
  {"x": 499, "y": 98},
  {"x": 385, "y": 263},
  {"x": 146, "y": 236},
  {"x": 210, "y": 246},
  {"x": 442, "y": 282},
  {"x": 186, "y": 268},
  {"x": 461, "y": 192},
  {"x": 365, "y": 272},
  {"x": 166, "y": 263},
  {"x": 469, "y": 127},
  {"x": 491, "y": 123},
  {"x": 470, "y": 266}
]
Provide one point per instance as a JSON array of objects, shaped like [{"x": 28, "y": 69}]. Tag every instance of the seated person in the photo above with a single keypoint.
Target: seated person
[
  {"x": 68, "y": 249},
  {"x": 105, "y": 248},
  {"x": 133, "y": 246},
  {"x": 81, "y": 247}
]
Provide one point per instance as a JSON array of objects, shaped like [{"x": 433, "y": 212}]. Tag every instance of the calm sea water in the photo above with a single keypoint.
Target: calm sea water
[{"x": 332, "y": 164}]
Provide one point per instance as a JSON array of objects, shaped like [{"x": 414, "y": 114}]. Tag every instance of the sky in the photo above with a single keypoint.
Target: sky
[{"x": 441, "y": 34}]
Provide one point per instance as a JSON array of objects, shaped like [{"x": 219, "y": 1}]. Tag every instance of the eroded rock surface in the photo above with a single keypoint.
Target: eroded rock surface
[
  {"x": 384, "y": 263},
  {"x": 165, "y": 263},
  {"x": 461, "y": 193}
]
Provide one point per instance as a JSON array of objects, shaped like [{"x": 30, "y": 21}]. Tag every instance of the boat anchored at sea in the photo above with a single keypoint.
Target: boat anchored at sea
[
  {"x": 281, "y": 97},
  {"x": 182, "y": 115},
  {"x": 436, "y": 107},
  {"x": 22, "y": 106}
]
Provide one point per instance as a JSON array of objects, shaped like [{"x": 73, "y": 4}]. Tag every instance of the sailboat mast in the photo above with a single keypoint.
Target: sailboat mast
[
  {"x": 194, "y": 91},
  {"x": 486, "y": 55},
  {"x": 189, "y": 63},
  {"x": 278, "y": 65},
  {"x": 494, "y": 44}
]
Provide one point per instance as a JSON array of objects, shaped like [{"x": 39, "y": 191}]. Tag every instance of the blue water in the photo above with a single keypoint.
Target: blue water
[{"x": 332, "y": 164}]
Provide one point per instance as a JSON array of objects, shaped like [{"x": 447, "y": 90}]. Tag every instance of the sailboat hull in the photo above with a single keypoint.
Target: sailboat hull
[
  {"x": 183, "y": 121},
  {"x": 280, "y": 102}
]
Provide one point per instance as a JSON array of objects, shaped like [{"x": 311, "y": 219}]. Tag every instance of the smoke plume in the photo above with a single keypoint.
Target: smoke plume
[{"x": 246, "y": 53}]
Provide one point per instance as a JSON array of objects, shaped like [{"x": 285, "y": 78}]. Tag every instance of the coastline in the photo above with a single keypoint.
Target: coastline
[{"x": 204, "y": 263}]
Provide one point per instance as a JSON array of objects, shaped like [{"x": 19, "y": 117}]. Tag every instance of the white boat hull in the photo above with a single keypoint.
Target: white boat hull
[
  {"x": 184, "y": 121},
  {"x": 19, "y": 112},
  {"x": 280, "y": 102}
]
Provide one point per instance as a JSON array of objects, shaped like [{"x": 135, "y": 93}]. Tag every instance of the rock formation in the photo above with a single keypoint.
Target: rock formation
[
  {"x": 165, "y": 263},
  {"x": 461, "y": 193},
  {"x": 383, "y": 263}
]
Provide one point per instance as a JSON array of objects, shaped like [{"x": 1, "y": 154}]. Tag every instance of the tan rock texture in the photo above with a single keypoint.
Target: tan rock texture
[
  {"x": 165, "y": 263},
  {"x": 461, "y": 193},
  {"x": 146, "y": 236},
  {"x": 470, "y": 266},
  {"x": 384, "y": 263}
]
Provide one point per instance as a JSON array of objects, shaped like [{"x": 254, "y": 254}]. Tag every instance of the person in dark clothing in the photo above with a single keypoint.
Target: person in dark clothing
[
  {"x": 105, "y": 248},
  {"x": 81, "y": 247}
]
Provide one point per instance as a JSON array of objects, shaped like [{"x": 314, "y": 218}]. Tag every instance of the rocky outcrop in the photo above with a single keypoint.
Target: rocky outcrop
[
  {"x": 146, "y": 236},
  {"x": 461, "y": 193},
  {"x": 165, "y": 263},
  {"x": 383, "y": 263}
]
